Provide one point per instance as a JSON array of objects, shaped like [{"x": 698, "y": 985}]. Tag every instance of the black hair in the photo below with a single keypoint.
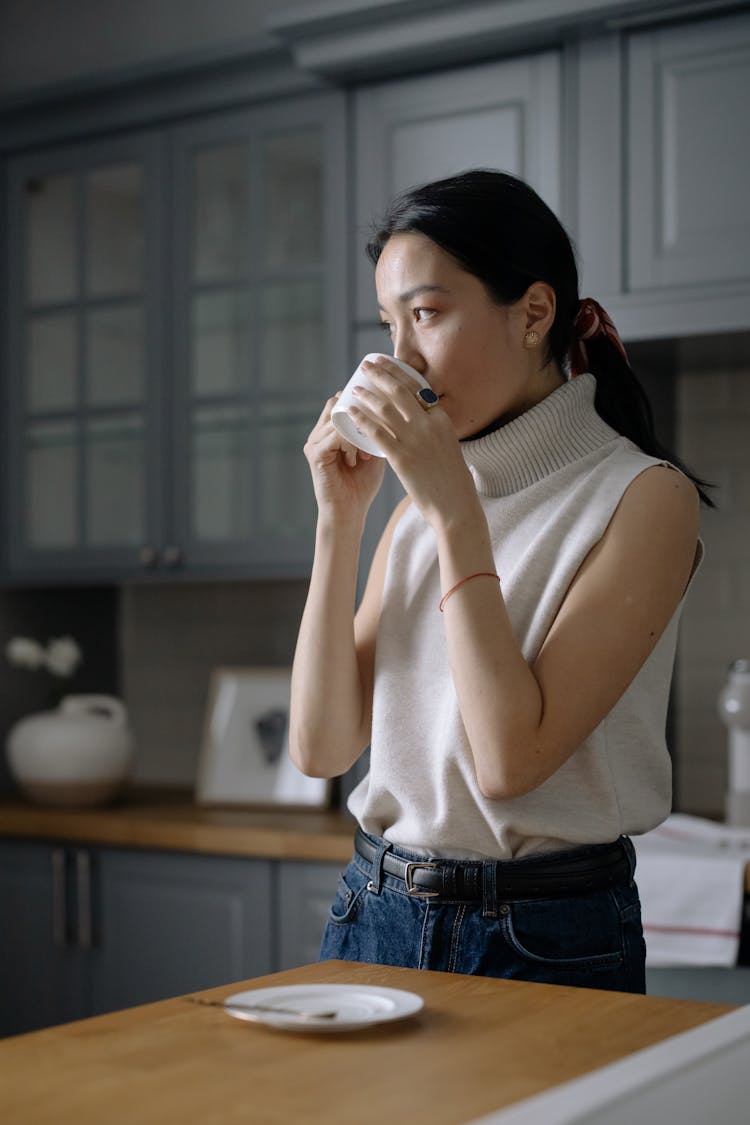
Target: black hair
[{"x": 498, "y": 229}]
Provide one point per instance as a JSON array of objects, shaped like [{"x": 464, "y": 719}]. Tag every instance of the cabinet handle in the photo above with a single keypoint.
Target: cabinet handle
[
  {"x": 172, "y": 555},
  {"x": 83, "y": 872},
  {"x": 59, "y": 898},
  {"x": 148, "y": 557}
]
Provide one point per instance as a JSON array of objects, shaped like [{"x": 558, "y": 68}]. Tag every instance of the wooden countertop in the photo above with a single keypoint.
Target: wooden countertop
[
  {"x": 174, "y": 822},
  {"x": 477, "y": 1045}
]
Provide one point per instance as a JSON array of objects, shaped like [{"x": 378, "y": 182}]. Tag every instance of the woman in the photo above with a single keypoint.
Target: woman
[{"x": 509, "y": 663}]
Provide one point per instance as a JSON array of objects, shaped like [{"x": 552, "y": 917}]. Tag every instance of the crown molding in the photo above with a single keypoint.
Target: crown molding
[
  {"x": 156, "y": 92},
  {"x": 352, "y": 40}
]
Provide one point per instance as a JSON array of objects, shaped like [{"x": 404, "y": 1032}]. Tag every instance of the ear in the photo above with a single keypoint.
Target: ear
[{"x": 539, "y": 303}]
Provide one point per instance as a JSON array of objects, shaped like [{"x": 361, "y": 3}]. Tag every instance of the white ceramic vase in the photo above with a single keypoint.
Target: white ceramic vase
[{"x": 79, "y": 754}]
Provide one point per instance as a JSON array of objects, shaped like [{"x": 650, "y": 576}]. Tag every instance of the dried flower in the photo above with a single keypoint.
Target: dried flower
[
  {"x": 25, "y": 653},
  {"x": 61, "y": 657}
]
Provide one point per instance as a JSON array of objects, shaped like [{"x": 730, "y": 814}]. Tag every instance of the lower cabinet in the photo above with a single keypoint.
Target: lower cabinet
[
  {"x": 170, "y": 923},
  {"x": 86, "y": 930},
  {"x": 719, "y": 985},
  {"x": 40, "y": 970},
  {"x": 304, "y": 893}
]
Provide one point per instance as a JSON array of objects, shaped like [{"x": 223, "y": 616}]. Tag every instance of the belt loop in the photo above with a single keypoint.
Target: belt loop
[
  {"x": 629, "y": 850},
  {"x": 376, "y": 875},
  {"x": 489, "y": 889}
]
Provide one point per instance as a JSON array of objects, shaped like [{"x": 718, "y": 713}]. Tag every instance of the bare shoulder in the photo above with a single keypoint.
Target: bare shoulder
[
  {"x": 654, "y": 530},
  {"x": 665, "y": 495}
]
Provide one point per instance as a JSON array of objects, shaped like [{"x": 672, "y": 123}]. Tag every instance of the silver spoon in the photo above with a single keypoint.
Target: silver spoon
[{"x": 272, "y": 1008}]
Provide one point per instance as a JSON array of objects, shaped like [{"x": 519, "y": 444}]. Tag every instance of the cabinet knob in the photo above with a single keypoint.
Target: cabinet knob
[
  {"x": 172, "y": 556},
  {"x": 147, "y": 556}
]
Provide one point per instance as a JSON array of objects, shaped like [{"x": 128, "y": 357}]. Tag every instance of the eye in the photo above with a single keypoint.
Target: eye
[
  {"x": 421, "y": 314},
  {"x": 387, "y": 328}
]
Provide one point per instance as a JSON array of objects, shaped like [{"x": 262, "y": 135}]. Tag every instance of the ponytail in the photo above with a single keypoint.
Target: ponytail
[{"x": 620, "y": 399}]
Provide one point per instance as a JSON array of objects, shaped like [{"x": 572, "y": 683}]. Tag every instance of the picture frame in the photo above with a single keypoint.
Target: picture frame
[{"x": 244, "y": 759}]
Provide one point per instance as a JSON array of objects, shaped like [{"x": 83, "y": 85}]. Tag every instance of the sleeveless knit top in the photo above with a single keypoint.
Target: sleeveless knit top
[{"x": 549, "y": 482}]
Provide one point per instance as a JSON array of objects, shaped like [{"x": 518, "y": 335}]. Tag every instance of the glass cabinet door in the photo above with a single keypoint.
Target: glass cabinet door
[
  {"x": 81, "y": 325},
  {"x": 262, "y": 326},
  {"x": 157, "y": 405}
]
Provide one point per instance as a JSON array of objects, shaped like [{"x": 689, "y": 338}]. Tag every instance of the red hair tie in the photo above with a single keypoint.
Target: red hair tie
[{"x": 591, "y": 321}]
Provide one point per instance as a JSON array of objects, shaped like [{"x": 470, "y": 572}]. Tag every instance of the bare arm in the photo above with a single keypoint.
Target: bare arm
[
  {"x": 332, "y": 674},
  {"x": 524, "y": 722},
  {"x": 334, "y": 662}
]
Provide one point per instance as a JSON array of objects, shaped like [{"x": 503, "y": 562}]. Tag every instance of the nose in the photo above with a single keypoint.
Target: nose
[{"x": 405, "y": 350}]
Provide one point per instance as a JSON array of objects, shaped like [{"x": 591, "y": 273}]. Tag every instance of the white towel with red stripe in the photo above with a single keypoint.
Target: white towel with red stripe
[{"x": 691, "y": 876}]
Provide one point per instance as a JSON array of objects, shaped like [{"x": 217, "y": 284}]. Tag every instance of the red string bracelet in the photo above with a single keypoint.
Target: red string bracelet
[{"x": 468, "y": 578}]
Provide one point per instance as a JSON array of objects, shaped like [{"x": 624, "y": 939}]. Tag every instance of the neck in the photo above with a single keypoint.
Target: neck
[{"x": 541, "y": 383}]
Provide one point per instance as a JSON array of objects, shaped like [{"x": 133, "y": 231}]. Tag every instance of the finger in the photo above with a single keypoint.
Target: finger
[
  {"x": 388, "y": 367},
  {"x": 370, "y": 423},
  {"x": 399, "y": 388},
  {"x": 325, "y": 444},
  {"x": 390, "y": 407}
]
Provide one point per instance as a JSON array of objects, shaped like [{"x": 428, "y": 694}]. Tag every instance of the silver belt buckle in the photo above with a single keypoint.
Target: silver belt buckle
[{"x": 409, "y": 880}]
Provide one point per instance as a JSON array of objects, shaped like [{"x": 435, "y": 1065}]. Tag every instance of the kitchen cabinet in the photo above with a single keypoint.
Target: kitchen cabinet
[
  {"x": 171, "y": 923},
  {"x": 86, "y": 930},
  {"x": 659, "y": 216},
  {"x": 41, "y": 965},
  {"x": 688, "y": 170},
  {"x": 305, "y": 892},
  {"x": 719, "y": 985},
  {"x": 632, "y": 138},
  {"x": 175, "y": 317},
  {"x": 85, "y": 338},
  {"x": 259, "y": 337},
  {"x": 503, "y": 115}
]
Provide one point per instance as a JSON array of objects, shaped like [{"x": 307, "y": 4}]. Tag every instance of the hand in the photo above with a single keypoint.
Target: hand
[
  {"x": 421, "y": 444},
  {"x": 345, "y": 479}
]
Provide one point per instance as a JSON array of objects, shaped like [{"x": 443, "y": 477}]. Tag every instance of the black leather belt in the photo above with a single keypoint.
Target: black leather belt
[{"x": 458, "y": 881}]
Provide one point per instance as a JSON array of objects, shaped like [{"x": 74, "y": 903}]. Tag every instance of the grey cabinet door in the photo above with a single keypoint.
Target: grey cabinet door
[
  {"x": 260, "y": 327},
  {"x": 304, "y": 894},
  {"x": 503, "y": 115},
  {"x": 688, "y": 157},
  {"x": 84, "y": 356},
  {"x": 41, "y": 965},
  {"x": 168, "y": 923},
  {"x": 177, "y": 318}
]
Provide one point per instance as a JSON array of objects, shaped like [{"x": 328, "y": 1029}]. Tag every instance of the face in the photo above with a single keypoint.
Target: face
[{"x": 443, "y": 321}]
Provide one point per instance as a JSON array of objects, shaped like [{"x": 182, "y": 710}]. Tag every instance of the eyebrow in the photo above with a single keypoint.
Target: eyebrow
[{"x": 417, "y": 291}]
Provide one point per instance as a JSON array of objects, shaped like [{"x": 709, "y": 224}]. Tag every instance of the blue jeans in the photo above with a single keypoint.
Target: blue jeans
[{"x": 592, "y": 940}]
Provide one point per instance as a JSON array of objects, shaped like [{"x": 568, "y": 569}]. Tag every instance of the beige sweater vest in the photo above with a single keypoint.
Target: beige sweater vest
[{"x": 549, "y": 483}]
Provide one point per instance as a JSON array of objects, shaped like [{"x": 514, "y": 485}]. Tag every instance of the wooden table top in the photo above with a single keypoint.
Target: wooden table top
[{"x": 477, "y": 1045}]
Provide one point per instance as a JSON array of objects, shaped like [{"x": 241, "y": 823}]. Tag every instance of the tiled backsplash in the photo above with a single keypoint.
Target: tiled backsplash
[
  {"x": 172, "y": 637},
  {"x": 713, "y": 437}
]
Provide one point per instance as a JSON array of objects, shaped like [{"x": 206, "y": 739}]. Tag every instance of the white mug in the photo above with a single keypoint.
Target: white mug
[{"x": 344, "y": 422}]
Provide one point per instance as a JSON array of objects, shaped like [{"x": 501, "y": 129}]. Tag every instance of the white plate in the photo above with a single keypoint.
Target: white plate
[{"x": 355, "y": 1006}]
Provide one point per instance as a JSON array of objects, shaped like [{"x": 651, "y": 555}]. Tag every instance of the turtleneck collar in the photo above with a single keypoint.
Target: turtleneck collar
[{"x": 559, "y": 430}]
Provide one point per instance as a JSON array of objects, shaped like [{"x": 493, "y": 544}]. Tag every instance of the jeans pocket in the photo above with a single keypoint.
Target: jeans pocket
[
  {"x": 345, "y": 906},
  {"x": 576, "y": 933}
]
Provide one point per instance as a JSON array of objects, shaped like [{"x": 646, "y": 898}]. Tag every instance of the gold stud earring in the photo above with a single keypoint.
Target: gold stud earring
[{"x": 531, "y": 338}]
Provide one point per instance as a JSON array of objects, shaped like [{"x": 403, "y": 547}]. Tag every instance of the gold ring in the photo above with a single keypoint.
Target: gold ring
[{"x": 427, "y": 398}]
